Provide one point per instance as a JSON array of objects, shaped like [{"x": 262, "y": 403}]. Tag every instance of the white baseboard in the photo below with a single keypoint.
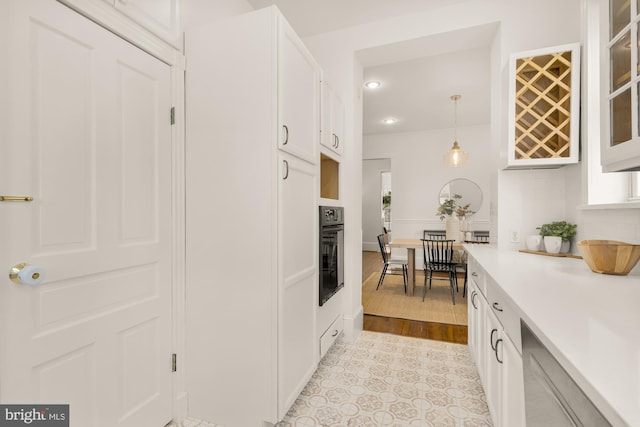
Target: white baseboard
[
  {"x": 368, "y": 246},
  {"x": 353, "y": 325}
]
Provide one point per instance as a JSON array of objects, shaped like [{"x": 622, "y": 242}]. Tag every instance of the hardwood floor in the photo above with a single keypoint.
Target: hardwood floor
[{"x": 372, "y": 263}]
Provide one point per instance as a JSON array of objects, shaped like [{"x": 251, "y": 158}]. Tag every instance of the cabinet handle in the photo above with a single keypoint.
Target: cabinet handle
[
  {"x": 286, "y": 170},
  {"x": 473, "y": 295},
  {"x": 496, "y": 350},
  {"x": 16, "y": 199},
  {"x": 493, "y": 347},
  {"x": 496, "y": 307},
  {"x": 474, "y": 274},
  {"x": 285, "y": 135},
  {"x": 334, "y": 333}
]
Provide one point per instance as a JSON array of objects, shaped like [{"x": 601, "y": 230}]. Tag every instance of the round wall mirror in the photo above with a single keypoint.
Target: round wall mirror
[{"x": 469, "y": 192}]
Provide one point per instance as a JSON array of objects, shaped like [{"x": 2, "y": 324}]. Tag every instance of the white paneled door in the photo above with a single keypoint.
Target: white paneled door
[{"x": 85, "y": 131}]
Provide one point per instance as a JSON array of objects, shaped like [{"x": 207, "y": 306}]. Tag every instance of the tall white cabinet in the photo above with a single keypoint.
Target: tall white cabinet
[{"x": 252, "y": 233}]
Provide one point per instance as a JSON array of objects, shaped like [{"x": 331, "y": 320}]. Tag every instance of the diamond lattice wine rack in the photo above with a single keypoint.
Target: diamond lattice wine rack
[{"x": 544, "y": 103}]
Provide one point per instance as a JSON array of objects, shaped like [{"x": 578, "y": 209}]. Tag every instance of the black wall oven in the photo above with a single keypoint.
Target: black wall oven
[{"x": 331, "y": 251}]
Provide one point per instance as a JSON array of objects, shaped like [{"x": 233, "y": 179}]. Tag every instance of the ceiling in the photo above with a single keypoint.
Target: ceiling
[
  {"x": 418, "y": 76},
  {"x": 310, "y": 17}
]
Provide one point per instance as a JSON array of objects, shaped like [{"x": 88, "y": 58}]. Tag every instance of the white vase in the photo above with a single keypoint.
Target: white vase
[
  {"x": 552, "y": 244},
  {"x": 564, "y": 248},
  {"x": 452, "y": 227}
]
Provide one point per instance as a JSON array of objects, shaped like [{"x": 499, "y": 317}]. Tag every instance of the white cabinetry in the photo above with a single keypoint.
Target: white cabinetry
[
  {"x": 252, "y": 234},
  {"x": 332, "y": 120},
  {"x": 330, "y": 335},
  {"x": 297, "y": 281},
  {"x": 494, "y": 342},
  {"x": 620, "y": 142},
  {"x": 476, "y": 315},
  {"x": 163, "y": 18}
]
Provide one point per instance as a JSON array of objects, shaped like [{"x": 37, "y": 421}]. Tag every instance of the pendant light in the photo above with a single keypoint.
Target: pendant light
[{"x": 456, "y": 156}]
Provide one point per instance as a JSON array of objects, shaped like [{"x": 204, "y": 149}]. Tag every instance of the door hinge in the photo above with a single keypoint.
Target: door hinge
[
  {"x": 173, "y": 115},
  {"x": 174, "y": 362}
]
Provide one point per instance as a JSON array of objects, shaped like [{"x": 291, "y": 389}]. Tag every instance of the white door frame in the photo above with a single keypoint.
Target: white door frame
[{"x": 107, "y": 16}]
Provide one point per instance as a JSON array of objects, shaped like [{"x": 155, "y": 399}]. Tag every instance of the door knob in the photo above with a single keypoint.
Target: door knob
[{"x": 26, "y": 274}]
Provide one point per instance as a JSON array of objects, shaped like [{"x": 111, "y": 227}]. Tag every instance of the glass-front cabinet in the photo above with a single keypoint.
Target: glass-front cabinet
[{"x": 621, "y": 87}]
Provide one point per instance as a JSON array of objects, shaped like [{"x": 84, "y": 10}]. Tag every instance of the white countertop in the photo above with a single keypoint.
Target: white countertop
[{"x": 590, "y": 322}]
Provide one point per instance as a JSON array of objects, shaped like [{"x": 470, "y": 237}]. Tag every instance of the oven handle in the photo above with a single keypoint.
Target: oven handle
[{"x": 330, "y": 228}]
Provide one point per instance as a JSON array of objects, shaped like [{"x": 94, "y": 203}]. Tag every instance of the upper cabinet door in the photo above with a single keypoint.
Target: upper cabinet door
[
  {"x": 161, "y": 17},
  {"x": 332, "y": 120},
  {"x": 544, "y": 107},
  {"x": 298, "y": 96},
  {"x": 620, "y": 142}
]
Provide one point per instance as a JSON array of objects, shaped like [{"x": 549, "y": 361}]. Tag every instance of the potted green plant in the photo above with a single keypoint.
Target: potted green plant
[
  {"x": 562, "y": 229},
  {"x": 449, "y": 206}
]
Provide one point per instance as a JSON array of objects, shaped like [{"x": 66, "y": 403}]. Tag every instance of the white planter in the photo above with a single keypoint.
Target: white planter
[
  {"x": 564, "y": 248},
  {"x": 552, "y": 244},
  {"x": 533, "y": 242}
]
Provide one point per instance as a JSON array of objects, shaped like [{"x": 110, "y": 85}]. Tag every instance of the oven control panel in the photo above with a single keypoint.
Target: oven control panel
[{"x": 331, "y": 215}]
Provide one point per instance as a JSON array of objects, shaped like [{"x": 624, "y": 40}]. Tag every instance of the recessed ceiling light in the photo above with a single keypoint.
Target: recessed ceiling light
[
  {"x": 373, "y": 84},
  {"x": 389, "y": 121}
]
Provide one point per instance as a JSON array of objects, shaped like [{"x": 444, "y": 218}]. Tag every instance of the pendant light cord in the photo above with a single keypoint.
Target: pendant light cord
[{"x": 455, "y": 117}]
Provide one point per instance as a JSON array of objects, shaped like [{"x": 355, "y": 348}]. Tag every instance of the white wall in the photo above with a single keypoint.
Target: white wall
[
  {"x": 199, "y": 12},
  {"x": 419, "y": 174},
  {"x": 371, "y": 201}
]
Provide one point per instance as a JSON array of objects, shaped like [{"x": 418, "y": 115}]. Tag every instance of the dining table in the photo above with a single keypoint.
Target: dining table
[{"x": 411, "y": 245}]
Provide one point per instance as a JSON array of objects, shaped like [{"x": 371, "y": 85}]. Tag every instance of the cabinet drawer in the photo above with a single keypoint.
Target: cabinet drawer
[
  {"x": 502, "y": 307},
  {"x": 330, "y": 335},
  {"x": 477, "y": 274}
]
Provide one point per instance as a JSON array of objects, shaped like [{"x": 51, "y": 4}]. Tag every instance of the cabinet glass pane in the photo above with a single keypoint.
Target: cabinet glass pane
[
  {"x": 620, "y": 57},
  {"x": 621, "y": 118},
  {"x": 620, "y": 15}
]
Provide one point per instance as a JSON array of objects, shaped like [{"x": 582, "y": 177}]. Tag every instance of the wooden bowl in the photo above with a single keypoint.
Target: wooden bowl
[{"x": 609, "y": 256}]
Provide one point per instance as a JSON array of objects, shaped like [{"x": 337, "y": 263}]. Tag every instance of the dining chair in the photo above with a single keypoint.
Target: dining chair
[
  {"x": 481, "y": 236},
  {"x": 391, "y": 261},
  {"x": 434, "y": 234},
  {"x": 438, "y": 258},
  {"x": 385, "y": 235}
]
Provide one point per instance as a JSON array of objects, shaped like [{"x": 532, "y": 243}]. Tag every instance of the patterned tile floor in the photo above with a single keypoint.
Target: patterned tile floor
[{"x": 390, "y": 380}]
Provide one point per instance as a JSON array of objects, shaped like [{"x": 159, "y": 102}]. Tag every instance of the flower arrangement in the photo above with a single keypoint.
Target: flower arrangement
[{"x": 450, "y": 206}]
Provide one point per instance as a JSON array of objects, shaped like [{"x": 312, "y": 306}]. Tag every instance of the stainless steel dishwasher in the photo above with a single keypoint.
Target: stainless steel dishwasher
[{"x": 551, "y": 396}]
